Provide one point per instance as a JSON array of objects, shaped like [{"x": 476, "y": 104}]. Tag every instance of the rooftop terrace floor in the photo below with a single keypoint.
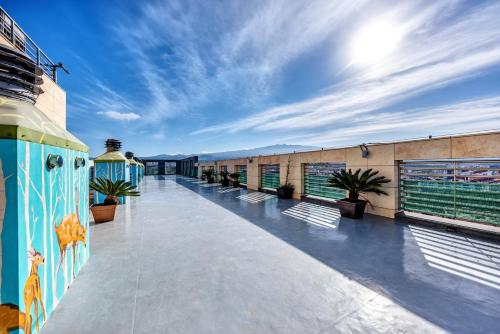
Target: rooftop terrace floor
[{"x": 187, "y": 257}]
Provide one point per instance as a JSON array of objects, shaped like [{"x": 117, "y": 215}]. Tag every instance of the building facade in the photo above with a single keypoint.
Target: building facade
[{"x": 455, "y": 177}]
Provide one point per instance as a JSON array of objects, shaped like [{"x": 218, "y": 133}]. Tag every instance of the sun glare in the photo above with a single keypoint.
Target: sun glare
[{"x": 374, "y": 41}]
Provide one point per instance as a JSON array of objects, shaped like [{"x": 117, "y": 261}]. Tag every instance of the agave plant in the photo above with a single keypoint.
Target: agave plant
[
  {"x": 357, "y": 182},
  {"x": 113, "y": 190},
  {"x": 209, "y": 175},
  {"x": 224, "y": 174}
]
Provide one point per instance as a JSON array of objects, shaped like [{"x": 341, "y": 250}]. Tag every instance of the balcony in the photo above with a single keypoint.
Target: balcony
[
  {"x": 192, "y": 257},
  {"x": 11, "y": 31},
  {"x": 53, "y": 100}
]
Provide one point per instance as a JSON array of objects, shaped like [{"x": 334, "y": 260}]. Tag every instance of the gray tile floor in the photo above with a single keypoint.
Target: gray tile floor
[{"x": 184, "y": 258}]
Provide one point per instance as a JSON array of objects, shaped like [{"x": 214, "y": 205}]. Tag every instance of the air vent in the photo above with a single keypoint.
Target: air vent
[
  {"x": 113, "y": 145},
  {"x": 129, "y": 155},
  {"x": 20, "y": 77}
]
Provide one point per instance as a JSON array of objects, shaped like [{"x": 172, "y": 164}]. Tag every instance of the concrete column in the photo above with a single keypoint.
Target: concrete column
[
  {"x": 253, "y": 174},
  {"x": 380, "y": 158}
]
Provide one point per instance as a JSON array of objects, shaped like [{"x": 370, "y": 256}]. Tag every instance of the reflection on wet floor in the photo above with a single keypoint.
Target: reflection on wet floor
[
  {"x": 459, "y": 255},
  {"x": 208, "y": 185},
  {"x": 318, "y": 215},
  {"x": 223, "y": 190},
  {"x": 256, "y": 197}
]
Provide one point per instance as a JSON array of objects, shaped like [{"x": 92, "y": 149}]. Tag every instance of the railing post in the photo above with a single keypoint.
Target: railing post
[
  {"x": 25, "y": 40},
  {"x": 12, "y": 37},
  {"x": 54, "y": 74}
]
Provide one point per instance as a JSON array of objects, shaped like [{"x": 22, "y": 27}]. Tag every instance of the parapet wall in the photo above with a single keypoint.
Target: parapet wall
[{"x": 382, "y": 157}]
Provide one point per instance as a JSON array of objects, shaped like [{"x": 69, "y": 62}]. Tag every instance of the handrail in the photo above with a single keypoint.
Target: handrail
[{"x": 21, "y": 41}]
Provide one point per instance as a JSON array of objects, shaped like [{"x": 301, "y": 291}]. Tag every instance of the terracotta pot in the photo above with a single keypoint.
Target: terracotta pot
[
  {"x": 236, "y": 184},
  {"x": 103, "y": 213},
  {"x": 353, "y": 210}
]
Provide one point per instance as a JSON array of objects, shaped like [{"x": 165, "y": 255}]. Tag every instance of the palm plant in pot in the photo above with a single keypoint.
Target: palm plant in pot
[
  {"x": 105, "y": 211},
  {"x": 356, "y": 183},
  {"x": 235, "y": 178},
  {"x": 209, "y": 175},
  {"x": 285, "y": 191},
  {"x": 224, "y": 174}
]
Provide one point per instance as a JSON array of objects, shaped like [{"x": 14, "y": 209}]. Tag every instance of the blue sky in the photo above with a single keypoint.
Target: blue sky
[{"x": 183, "y": 76}]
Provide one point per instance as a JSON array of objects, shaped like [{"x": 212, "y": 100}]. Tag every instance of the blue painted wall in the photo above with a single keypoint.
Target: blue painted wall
[
  {"x": 9, "y": 291},
  {"x": 37, "y": 200},
  {"x": 134, "y": 174}
]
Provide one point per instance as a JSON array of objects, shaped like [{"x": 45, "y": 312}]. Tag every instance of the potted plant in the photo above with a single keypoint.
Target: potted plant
[
  {"x": 209, "y": 175},
  {"x": 224, "y": 174},
  {"x": 105, "y": 212},
  {"x": 235, "y": 178},
  {"x": 285, "y": 191},
  {"x": 355, "y": 184}
]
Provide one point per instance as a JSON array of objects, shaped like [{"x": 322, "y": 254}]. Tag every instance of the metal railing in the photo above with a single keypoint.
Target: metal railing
[
  {"x": 21, "y": 41},
  {"x": 316, "y": 177},
  {"x": 457, "y": 189},
  {"x": 242, "y": 170},
  {"x": 270, "y": 176}
]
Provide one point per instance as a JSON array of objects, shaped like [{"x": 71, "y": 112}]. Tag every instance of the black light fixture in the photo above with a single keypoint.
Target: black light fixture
[
  {"x": 79, "y": 162},
  {"x": 54, "y": 160},
  {"x": 364, "y": 150}
]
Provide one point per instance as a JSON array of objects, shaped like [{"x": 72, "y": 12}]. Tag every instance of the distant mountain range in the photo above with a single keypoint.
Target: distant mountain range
[{"x": 266, "y": 150}]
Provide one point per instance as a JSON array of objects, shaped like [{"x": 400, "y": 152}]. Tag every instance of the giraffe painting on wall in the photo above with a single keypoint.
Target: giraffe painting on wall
[
  {"x": 33, "y": 291},
  {"x": 69, "y": 233},
  {"x": 11, "y": 318}
]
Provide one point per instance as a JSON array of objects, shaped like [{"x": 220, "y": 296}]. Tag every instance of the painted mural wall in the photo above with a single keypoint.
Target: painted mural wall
[
  {"x": 113, "y": 170},
  {"x": 134, "y": 174},
  {"x": 141, "y": 172},
  {"x": 44, "y": 231}
]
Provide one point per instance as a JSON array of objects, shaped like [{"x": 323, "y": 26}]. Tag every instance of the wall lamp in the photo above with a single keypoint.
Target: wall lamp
[
  {"x": 54, "y": 160},
  {"x": 79, "y": 162},
  {"x": 364, "y": 150}
]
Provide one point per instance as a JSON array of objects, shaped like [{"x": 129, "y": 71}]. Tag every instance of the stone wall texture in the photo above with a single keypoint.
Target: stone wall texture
[{"x": 382, "y": 157}]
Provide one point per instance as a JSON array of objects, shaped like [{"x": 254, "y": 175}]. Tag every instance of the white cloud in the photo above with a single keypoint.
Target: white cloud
[
  {"x": 466, "y": 116},
  {"x": 201, "y": 60},
  {"x": 120, "y": 116},
  {"x": 97, "y": 98},
  {"x": 437, "y": 50},
  {"x": 160, "y": 134},
  {"x": 190, "y": 56}
]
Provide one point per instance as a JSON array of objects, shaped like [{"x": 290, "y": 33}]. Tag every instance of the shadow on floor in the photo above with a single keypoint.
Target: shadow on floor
[{"x": 381, "y": 254}]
